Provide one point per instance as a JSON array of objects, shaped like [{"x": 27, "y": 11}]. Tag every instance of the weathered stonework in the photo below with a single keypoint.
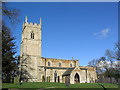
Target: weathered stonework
[{"x": 36, "y": 68}]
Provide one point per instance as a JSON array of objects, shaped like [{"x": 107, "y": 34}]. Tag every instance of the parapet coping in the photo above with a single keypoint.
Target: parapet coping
[
  {"x": 30, "y": 23},
  {"x": 59, "y": 59}
]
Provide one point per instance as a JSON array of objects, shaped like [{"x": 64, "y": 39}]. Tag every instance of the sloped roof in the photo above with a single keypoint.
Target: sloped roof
[
  {"x": 87, "y": 68},
  {"x": 68, "y": 71}
]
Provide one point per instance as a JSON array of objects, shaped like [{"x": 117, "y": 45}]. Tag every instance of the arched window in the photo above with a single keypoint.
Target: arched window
[
  {"x": 60, "y": 64},
  {"x": 32, "y": 35},
  {"x": 71, "y": 65},
  {"x": 48, "y": 63}
]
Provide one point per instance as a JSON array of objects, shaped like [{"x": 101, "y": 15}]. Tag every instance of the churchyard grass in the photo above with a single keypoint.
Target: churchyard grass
[{"x": 58, "y": 85}]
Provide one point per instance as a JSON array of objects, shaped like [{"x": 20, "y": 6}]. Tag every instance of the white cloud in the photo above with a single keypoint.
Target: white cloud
[{"x": 102, "y": 34}]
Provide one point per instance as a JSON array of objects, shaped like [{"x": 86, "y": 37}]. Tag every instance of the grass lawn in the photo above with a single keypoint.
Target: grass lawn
[{"x": 58, "y": 85}]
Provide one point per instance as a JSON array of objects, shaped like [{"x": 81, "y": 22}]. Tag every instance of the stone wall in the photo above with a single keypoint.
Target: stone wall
[
  {"x": 103, "y": 79},
  {"x": 56, "y": 62}
]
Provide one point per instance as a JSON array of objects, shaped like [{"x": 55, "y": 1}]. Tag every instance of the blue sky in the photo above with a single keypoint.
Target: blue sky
[{"x": 80, "y": 30}]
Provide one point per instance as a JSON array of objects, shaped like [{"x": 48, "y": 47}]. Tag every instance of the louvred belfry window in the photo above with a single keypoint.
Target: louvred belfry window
[{"x": 32, "y": 35}]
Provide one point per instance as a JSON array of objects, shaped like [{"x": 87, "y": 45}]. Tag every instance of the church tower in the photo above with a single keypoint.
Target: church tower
[{"x": 30, "y": 52}]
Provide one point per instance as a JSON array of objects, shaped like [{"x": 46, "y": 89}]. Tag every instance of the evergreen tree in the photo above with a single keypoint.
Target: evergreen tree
[
  {"x": 8, "y": 51},
  {"x": 9, "y": 60}
]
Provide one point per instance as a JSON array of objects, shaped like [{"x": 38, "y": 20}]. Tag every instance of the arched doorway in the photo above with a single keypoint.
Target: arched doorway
[{"x": 76, "y": 78}]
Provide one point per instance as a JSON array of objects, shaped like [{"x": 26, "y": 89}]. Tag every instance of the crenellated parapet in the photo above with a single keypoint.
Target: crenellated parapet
[{"x": 33, "y": 25}]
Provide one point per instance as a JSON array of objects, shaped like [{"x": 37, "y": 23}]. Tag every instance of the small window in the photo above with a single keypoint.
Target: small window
[
  {"x": 60, "y": 64},
  {"x": 48, "y": 63},
  {"x": 70, "y": 65}
]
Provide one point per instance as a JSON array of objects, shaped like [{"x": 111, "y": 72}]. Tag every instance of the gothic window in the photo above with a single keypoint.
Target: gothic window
[
  {"x": 60, "y": 64},
  {"x": 32, "y": 35},
  {"x": 48, "y": 63},
  {"x": 70, "y": 65}
]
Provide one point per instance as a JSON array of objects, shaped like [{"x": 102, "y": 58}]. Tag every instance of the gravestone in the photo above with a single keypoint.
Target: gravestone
[
  {"x": 67, "y": 81},
  {"x": 16, "y": 79}
]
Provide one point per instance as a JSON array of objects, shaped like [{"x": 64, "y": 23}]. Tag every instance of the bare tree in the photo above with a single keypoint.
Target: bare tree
[
  {"x": 109, "y": 65},
  {"x": 9, "y": 14}
]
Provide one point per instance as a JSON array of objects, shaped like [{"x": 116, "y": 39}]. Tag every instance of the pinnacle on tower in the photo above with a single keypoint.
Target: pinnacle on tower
[
  {"x": 26, "y": 19},
  {"x": 40, "y": 21}
]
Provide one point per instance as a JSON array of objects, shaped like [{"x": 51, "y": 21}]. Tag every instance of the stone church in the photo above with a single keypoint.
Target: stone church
[{"x": 35, "y": 68}]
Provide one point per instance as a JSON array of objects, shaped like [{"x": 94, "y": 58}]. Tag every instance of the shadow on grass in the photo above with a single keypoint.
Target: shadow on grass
[{"x": 102, "y": 86}]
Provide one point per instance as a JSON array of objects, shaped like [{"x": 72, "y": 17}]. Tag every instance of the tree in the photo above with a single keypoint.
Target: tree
[
  {"x": 115, "y": 65},
  {"x": 92, "y": 63},
  {"x": 117, "y": 57},
  {"x": 96, "y": 63},
  {"x": 8, "y": 52},
  {"x": 117, "y": 52},
  {"x": 9, "y": 60},
  {"x": 9, "y": 14},
  {"x": 102, "y": 65},
  {"x": 108, "y": 65}
]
